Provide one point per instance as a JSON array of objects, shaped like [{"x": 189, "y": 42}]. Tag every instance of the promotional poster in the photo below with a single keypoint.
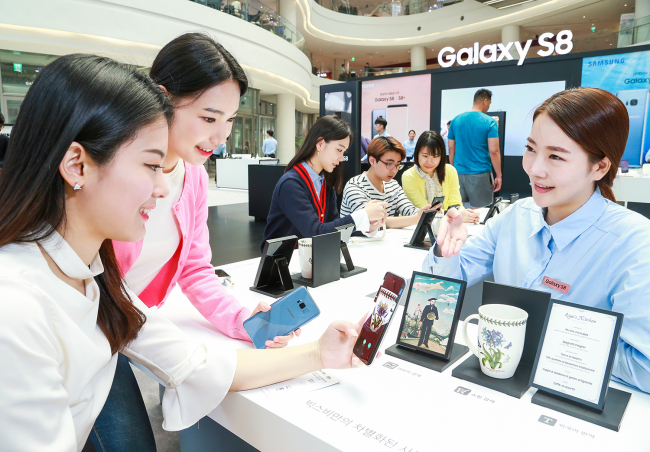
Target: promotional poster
[
  {"x": 404, "y": 102},
  {"x": 518, "y": 101},
  {"x": 628, "y": 76}
]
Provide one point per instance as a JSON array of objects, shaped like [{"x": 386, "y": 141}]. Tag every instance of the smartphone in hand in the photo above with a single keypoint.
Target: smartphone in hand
[
  {"x": 289, "y": 313},
  {"x": 377, "y": 324},
  {"x": 438, "y": 200}
]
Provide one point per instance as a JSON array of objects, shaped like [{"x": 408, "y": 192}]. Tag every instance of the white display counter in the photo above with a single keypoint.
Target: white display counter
[
  {"x": 393, "y": 404},
  {"x": 233, "y": 172},
  {"x": 632, "y": 186}
]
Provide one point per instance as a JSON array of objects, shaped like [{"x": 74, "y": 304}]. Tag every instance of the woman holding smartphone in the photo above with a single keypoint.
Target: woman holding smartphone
[
  {"x": 571, "y": 230},
  {"x": 64, "y": 311},
  {"x": 432, "y": 176},
  {"x": 204, "y": 83},
  {"x": 304, "y": 200}
]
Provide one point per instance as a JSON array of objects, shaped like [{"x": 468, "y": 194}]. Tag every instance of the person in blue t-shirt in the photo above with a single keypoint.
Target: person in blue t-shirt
[
  {"x": 270, "y": 145},
  {"x": 409, "y": 146},
  {"x": 474, "y": 150}
]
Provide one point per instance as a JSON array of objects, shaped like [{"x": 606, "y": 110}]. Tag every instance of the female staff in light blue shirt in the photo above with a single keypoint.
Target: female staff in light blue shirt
[
  {"x": 571, "y": 230},
  {"x": 409, "y": 146}
]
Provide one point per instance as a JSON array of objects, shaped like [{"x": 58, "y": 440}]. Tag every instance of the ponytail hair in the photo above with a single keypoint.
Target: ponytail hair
[{"x": 595, "y": 119}]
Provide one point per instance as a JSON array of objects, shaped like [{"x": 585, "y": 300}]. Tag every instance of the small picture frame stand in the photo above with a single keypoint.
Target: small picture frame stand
[
  {"x": 583, "y": 336},
  {"x": 326, "y": 261}
]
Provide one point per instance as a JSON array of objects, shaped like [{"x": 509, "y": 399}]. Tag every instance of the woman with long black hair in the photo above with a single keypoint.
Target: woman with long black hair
[
  {"x": 87, "y": 175},
  {"x": 304, "y": 200}
]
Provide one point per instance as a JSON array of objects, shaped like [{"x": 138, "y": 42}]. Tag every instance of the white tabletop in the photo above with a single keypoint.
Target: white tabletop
[{"x": 407, "y": 408}]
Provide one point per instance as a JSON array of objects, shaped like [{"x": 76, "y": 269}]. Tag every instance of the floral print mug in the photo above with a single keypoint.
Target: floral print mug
[{"x": 501, "y": 334}]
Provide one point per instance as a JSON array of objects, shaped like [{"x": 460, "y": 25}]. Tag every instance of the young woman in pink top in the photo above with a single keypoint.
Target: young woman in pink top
[{"x": 205, "y": 84}]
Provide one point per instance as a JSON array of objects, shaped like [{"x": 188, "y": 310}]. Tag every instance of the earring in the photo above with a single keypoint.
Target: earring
[{"x": 76, "y": 186}]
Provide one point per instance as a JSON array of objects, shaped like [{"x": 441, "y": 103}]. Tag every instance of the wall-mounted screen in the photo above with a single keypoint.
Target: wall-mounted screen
[
  {"x": 628, "y": 76},
  {"x": 518, "y": 101},
  {"x": 404, "y": 102}
]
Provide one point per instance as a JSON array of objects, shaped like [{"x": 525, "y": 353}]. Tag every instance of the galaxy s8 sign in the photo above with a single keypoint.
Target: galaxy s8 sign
[{"x": 628, "y": 76}]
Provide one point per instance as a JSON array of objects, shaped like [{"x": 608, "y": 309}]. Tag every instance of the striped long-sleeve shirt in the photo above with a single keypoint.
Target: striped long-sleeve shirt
[{"x": 359, "y": 190}]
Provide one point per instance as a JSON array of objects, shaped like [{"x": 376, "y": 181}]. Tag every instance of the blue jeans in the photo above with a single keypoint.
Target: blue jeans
[{"x": 123, "y": 424}]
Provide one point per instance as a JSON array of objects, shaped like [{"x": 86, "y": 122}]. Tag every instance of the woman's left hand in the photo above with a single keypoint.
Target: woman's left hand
[{"x": 278, "y": 341}]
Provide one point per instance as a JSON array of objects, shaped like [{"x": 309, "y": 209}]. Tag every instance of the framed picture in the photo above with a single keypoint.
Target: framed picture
[{"x": 431, "y": 314}]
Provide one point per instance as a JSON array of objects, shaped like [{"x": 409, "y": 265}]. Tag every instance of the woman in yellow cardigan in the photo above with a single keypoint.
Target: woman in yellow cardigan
[{"x": 432, "y": 176}]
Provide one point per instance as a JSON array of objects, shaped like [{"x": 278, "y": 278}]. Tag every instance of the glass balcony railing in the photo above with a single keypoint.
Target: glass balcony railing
[
  {"x": 385, "y": 9},
  {"x": 259, "y": 14}
]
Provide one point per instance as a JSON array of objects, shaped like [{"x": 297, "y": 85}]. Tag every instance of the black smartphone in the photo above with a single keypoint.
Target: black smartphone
[
  {"x": 438, "y": 200},
  {"x": 221, "y": 274},
  {"x": 377, "y": 324},
  {"x": 514, "y": 197}
]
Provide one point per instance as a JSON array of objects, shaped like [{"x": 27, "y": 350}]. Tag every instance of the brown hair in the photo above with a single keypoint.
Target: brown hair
[
  {"x": 432, "y": 141},
  {"x": 595, "y": 119},
  {"x": 380, "y": 145}
]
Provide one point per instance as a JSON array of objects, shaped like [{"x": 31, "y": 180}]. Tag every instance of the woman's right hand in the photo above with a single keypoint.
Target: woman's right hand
[
  {"x": 376, "y": 210},
  {"x": 452, "y": 233},
  {"x": 336, "y": 344}
]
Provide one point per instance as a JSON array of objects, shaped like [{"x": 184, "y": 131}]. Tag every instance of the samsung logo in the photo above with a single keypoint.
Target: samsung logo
[{"x": 609, "y": 62}]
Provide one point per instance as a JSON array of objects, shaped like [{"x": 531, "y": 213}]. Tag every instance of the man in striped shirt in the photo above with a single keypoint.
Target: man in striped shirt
[{"x": 385, "y": 155}]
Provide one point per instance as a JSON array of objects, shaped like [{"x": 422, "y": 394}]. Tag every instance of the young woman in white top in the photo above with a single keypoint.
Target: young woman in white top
[{"x": 83, "y": 167}]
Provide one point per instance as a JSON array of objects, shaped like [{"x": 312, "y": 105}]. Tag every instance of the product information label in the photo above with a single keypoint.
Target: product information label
[
  {"x": 555, "y": 284},
  {"x": 576, "y": 349}
]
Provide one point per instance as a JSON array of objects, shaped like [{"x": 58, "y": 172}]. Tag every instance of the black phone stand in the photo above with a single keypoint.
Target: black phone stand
[
  {"x": 281, "y": 269},
  {"x": 422, "y": 230},
  {"x": 425, "y": 360},
  {"x": 326, "y": 261},
  {"x": 348, "y": 269},
  {"x": 611, "y": 417}
]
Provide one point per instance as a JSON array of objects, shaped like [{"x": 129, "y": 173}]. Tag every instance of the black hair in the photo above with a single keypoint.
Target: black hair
[
  {"x": 432, "y": 141},
  {"x": 2, "y": 119},
  {"x": 411, "y": 131},
  {"x": 193, "y": 63},
  {"x": 100, "y": 104},
  {"x": 270, "y": 132},
  {"x": 482, "y": 94},
  {"x": 328, "y": 128},
  {"x": 382, "y": 121}
]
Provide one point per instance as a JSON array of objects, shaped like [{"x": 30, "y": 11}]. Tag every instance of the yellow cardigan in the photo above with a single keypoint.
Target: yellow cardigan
[{"x": 413, "y": 186}]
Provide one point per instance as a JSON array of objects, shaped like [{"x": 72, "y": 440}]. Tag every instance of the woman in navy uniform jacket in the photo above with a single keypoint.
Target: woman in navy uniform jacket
[{"x": 304, "y": 200}]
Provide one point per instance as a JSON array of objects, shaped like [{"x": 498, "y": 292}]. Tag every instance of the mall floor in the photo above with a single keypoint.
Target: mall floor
[{"x": 227, "y": 217}]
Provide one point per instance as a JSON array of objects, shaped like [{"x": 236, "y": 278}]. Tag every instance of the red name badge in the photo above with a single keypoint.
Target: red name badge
[{"x": 557, "y": 285}]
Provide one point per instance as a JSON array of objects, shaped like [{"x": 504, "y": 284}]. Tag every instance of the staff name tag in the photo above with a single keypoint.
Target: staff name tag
[{"x": 557, "y": 285}]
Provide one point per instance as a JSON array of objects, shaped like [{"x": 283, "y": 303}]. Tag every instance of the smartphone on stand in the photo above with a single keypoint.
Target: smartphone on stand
[
  {"x": 378, "y": 113},
  {"x": 377, "y": 324},
  {"x": 397, "y": 117},
  {"x": 286, "y": 315}
]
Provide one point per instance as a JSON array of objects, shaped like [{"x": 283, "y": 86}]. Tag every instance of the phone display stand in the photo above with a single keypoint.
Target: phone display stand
[
  {"x": 422, "y": 230},
  {"x": 326, "y": 261},
  {"x": 273, "y": 277},
  {"x": 535, "y": 303},
  {"x": 348, "y": 269},
  {"x": 611, "y": 417},
  {"x": 428, "y": 361}
]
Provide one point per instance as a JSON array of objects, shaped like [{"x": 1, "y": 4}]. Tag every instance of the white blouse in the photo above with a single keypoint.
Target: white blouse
[{"x": 56, "y": 367}]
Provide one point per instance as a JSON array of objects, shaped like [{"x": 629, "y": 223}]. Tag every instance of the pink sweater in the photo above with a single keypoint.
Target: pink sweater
[{"x": 190, "y": 266}]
